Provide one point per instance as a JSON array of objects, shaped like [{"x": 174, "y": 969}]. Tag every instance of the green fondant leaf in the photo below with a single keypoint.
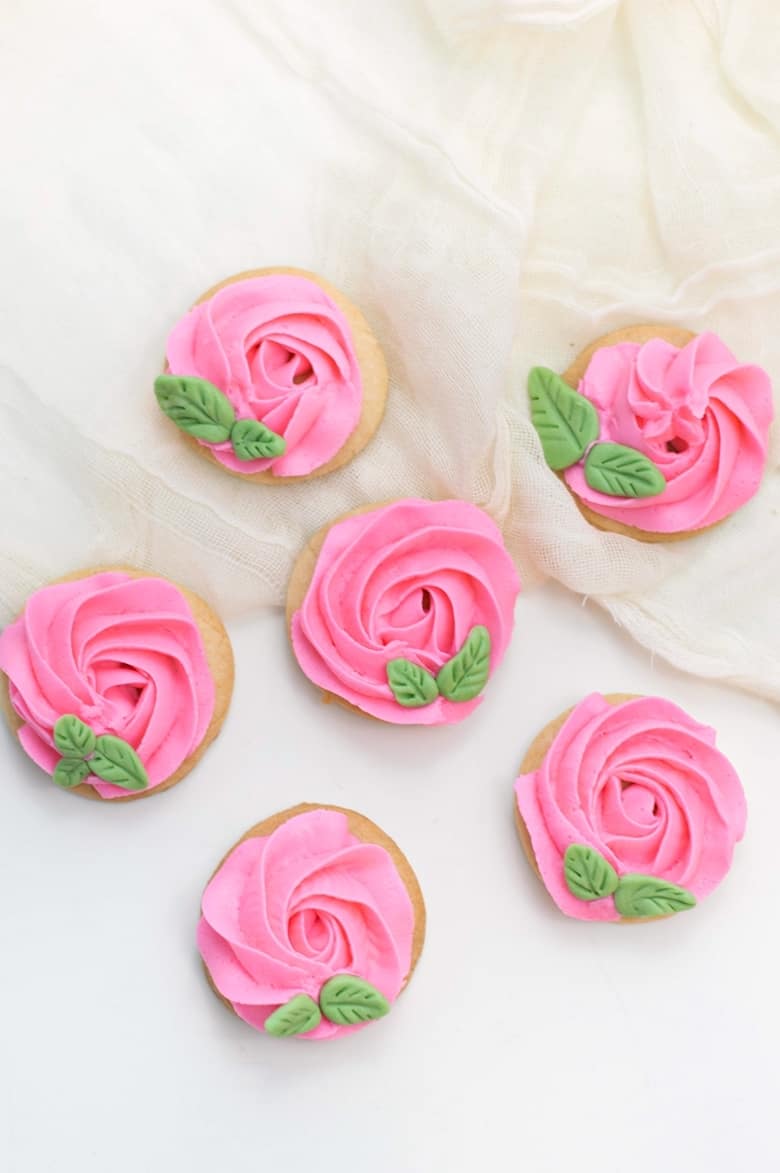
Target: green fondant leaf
[
  {"x": 252, "y": 440},
  {"x": 641, "y": 896},
  {"x": 465, "y": 675},
  {"x": 411, "y": 685},
  {"x": 622, "y": 472},
  {"x": 73, "y": 738},
  {"x": 588, "y": 875},
  {"x": 347, "y": 1000},
  {"x": 196, "y": 406},
  {"x": 117, "y": 762},
  {"x": 565, "y": 420},
  {"x": 70, "y": 772},
  {"x": 298, "y": 1016}
]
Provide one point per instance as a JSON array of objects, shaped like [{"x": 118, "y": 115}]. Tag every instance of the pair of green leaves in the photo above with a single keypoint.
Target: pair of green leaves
[
  {"x": 344, "y": 1000},
  {"x": 460, "y": 679},
  {"x": 107, "y": 757},
  {"x": 589, "y": 876},
  {"x": 202, "y": 410},
  {"x": 568, "y": 425}
]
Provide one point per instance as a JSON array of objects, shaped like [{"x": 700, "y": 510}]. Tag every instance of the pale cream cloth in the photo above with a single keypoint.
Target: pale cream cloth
[{"x": 494, "y": 183}]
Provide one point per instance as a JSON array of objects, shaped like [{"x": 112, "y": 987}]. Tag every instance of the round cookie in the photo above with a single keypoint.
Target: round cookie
[
  {"x": 312, "y": 924},
  {"x": 115, "y": 681},
  {"x": 658, "y": 433},
  {"x": 626, "y": 809},
  {"x": 402, "y": 611},
  {"x": 274, "y": 375}
]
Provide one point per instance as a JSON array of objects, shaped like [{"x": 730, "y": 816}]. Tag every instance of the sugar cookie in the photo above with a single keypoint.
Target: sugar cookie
[
  {"x": 312, "y": 924},
  {"x": 403, "y": 611},
  {"x": 665, "y": 433},
  {"x": 626, "y": 809},
  {"x": 116, "y": 681},
  {"x": 274, "y": 375}
]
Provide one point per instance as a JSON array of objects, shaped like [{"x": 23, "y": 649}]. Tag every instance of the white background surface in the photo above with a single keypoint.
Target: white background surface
[{"x": 524, "y": 1041}]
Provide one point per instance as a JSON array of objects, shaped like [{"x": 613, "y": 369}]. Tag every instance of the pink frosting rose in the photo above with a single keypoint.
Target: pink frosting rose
[
  {"x": 409, "y": 580},
  {"x": 698, "y": 414},
  {"x": 282, "y": 352},
  {"x": 642, "y": 783},
  {"x": 287, "y": 912},
  {"x": 122, "y": 654}
]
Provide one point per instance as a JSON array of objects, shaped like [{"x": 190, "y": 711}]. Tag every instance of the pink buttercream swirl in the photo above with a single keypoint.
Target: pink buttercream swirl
[
  {"x": 287, "y": 912},
  {"x": 122, "y": 654},
  {"x": 643, "y": 784},
  {"x": 698, "y": 414},
  {"x": 282, "y": 352},
  {"x": 409, "y": 580}
]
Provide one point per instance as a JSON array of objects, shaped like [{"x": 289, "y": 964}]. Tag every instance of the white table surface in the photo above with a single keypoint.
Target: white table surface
[{"x": 525, "y": 1040}]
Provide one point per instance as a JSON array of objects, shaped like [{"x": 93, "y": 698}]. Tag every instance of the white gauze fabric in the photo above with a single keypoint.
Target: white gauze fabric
[{"x": 495, "y": 184}]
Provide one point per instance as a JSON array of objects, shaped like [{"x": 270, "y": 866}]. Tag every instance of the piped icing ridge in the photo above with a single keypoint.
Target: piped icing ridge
[
  {"x": 282, "y": 352},
  {"x": 122, "y": 655},
  {"x": 421, "y": 588},
  {"x": 698, "y": 414},
  {"x": 288, "y": 912},
  {"x": 641, "y": 784}
]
